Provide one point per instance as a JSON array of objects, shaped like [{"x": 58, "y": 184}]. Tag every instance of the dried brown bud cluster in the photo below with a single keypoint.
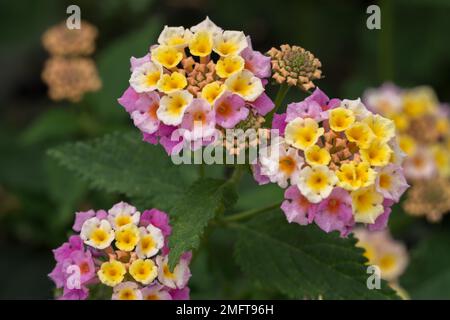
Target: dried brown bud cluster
[
  {"x": 62, "y": 41},
  {"x": 295, "y": 66},
  {"x": 70, "y": 78},
  {"x": 429, "y": 198},
  {"x": 68, "y": 73}
]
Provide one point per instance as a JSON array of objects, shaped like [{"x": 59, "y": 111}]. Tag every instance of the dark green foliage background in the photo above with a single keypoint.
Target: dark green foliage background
[{"x": 38, "y": 196}]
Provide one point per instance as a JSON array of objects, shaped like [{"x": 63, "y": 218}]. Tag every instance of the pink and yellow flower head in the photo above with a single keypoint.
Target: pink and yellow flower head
[
  {"x": 122, "y": 249},
  {"x": 342, "y": 166},
  {"x": 204, "y": 65},
  {"x": 423, "y": 127}
]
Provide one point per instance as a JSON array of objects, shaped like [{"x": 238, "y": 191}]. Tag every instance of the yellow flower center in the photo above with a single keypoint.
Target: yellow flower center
[
  {"x": 127, "y": 294},
  {"x": 317, "y": 156},
  {"x": 123, "y": 220},
  {"x": 99, "y": 236},
  {"x": 201, "y": 44},
  {"x": 317, "y": 181},
  {"x": 377, "y": 154},
  {"x": 287, "y": 164},
  {"x": 111, "y": 273},
  {"x": 212, "y": 91},
  {"x": 385, "y": 181},
  {"x": 170, "y": 83},
  {"x": 360, "y": 134},
  {"x": 229, "y": 65},
  {"x": 143, "y": 271},
  {"x": 127, "y": 237},
  {"x": 341, "y": 119},
  {"x": 167, "y": 56}
]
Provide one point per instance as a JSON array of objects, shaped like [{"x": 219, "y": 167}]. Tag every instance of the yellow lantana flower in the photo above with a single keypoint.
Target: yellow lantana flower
[
  {"x": 201, "y": 44},
  {"x": 245, "y": 84},
  {"x": 111, "y": 273},
  {"x": 172, "y": 82},
  {"x": 316, "y": 183},
  {"x": 341, "y": 118},
  {"x": 212, "y": 91},
  {"x": 382, "y": 128},
  {"x": 166, "y": 56},
  {"x": 143, "y": 271},
  {"x": 353, "y": 176},
  {"x": 229, "y": 65},
  {"x": 127, "y": 237},
  {"x": 367, "y": 205},
  {"x": 303, "y": 133},
  {"x": 315, "y": 156},
  {"x": 361, "y": 134},
  {"x": 377, "y": 154}
]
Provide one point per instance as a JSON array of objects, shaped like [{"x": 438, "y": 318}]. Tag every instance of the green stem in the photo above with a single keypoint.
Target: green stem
[
  {"x": 237, "y": 174},
  {"x": 281, "y": 94},
  {"x": 249, "y": 213}
]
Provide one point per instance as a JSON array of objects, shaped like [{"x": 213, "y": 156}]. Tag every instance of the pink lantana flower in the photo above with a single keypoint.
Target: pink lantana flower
[
  {"x": 335, "y": 212},
  {"x": 230, "y": 110},
  {"x": 144, "y": 114},
  {"x": 198, "y": 121},
  {"x": 297, "y": 208}
]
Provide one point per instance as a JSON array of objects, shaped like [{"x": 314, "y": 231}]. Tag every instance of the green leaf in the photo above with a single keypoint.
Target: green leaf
[
  {"x": 303, "y": 262},
  {"x": 202, "y": 201},
  {"x": 123, "y": 163},
  {"x": 428, "y": 274},
  {"x": 58, "y": 124}
]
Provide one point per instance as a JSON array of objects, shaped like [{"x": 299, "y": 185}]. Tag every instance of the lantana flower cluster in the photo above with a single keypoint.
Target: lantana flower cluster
[
  {"x": 339, "y": 163},
  {"x": 424, "y": 135},
  {"x": 197, "y": 80},
  {"x": 122, "y": 250}
]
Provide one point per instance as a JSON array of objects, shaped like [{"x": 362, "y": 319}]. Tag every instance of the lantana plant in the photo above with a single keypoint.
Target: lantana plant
[
  {"x": 120, "y": 254},
  {"x": 338, "y": 163}
]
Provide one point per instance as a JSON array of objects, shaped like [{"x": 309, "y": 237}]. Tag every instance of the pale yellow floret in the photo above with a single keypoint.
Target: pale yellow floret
[
  {"x": 212, "y": 91},
  {"x": 171, "y": 82},
  {"x": 127, "y": 237},
  {"x": 367, "y": 205},
  {"x": 201, "y": 44},
  {"x": 143, "y": 271},
  {"x": 229, "y": 65},
  {"x": 360, "y": 134},
  {"x": 382, "y": 128},
  {"x": 315, "y": 155},
  {"x": 377, "y": 154},
  {"x": 111, "y": 273},
  {"x": 245, "y": 84},
  {"x": 341, "y": 118},
  {"x": 166, "y": 56},
  {"x": 303, "y": 133}
]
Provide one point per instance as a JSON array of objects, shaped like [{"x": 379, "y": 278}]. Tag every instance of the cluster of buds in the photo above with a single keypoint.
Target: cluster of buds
[
  {"x": 69, "y": 73},
  {"x": 295, "y": 66},
  {"x": 338, "y": 161},
  {"x": 198, "y": 80},
  {"x": 424, "y": 135},
  {"x": 122, "y": 250}
]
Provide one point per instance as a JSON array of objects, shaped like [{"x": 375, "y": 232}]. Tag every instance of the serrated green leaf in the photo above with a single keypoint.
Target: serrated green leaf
[
  {"x": 202, "y": 201},
  {"x": 123, "y": 163},
  {"x": 303, "y": 262},
  {"x": 428, "y": 274}
]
